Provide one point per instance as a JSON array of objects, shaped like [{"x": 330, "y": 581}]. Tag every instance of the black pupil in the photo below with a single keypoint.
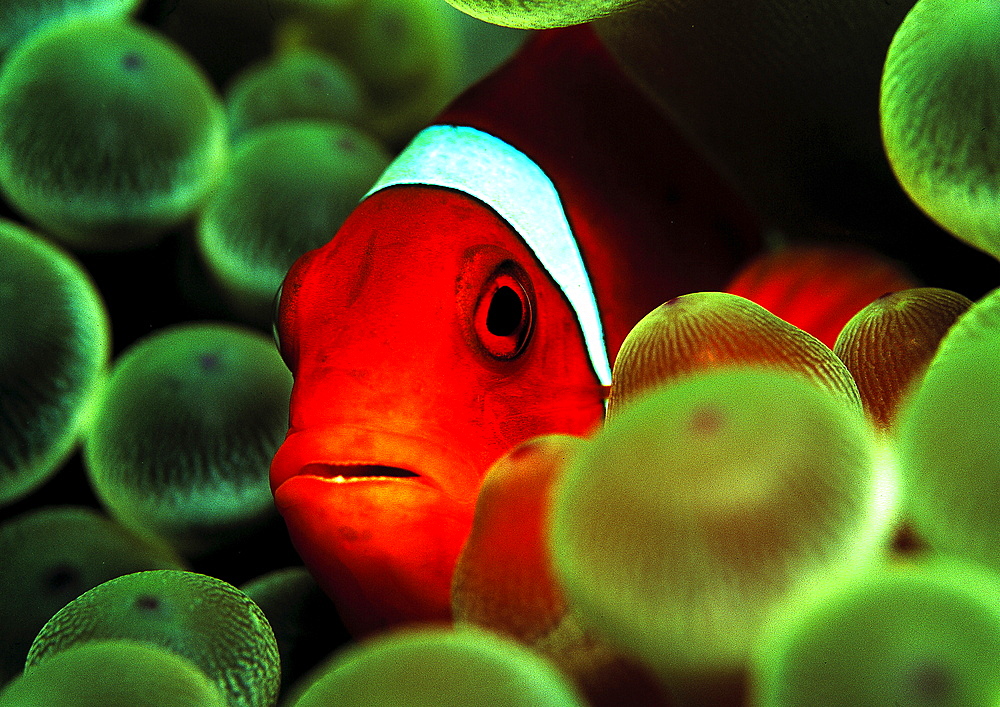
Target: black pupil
[{"x": 505, "y": 313}]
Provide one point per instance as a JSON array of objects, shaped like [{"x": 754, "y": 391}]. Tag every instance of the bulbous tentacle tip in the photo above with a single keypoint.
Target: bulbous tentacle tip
[
  {"x": 115, "y": 673},
  {"x": 503, "y": 578},
  {"x": 287, "y": 189},
  {"x": 181, "y": 445},
  {"x": 216, "y": 626},
  {"x": 704, "y": 504},
  {"x": 470, "y": 666},
  {"x": 299, "y": 83},
  {"x": 118, "y": 178},
  {"x": 540, "y": 14},
  {"x": 55, "y": 346},
  {"x": 944, "y": 436},
  {"x": 705, "y": 330},
  {"x": 888, "y": 345},
  {"x": 405, "y": 54},
  {"x": 940, "y": 115},
  {"x": 52, "y": 555},
  {"x": 936, "y": 617}
]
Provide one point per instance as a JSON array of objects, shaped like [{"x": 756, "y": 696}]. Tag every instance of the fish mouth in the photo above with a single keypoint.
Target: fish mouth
[
  {"x": 356, "y": 456},
  {"x": 378, "y": 515},
  {"x": 339, "y": 472}
]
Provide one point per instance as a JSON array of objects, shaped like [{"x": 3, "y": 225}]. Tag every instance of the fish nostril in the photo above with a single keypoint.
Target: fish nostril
[{"x": 355, "y": 471}]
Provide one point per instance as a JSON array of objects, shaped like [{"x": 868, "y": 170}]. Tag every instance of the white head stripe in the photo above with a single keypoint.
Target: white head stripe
[{"x": 510, "y": 183}]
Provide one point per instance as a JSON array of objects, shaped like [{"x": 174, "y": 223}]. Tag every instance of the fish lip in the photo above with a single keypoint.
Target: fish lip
[
  {"x": 340, "y": 445},
  {"x": 328, "y": 477},
  {"x": 306, "y": 472},
  {"x": 326, "y": 471}
]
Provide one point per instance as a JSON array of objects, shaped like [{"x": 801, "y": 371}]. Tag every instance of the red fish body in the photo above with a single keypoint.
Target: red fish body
[{"x": 473, "y": 300}]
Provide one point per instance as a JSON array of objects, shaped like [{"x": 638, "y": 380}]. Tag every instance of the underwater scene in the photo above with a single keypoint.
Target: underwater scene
[{"x": 499, "y": 352}]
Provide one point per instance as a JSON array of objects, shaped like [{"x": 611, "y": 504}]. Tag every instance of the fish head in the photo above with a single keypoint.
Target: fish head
[{"x": 425, "y": 341}]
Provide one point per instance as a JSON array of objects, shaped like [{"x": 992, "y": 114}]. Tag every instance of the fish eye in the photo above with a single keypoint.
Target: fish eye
[{"x": 503, "y": 316}]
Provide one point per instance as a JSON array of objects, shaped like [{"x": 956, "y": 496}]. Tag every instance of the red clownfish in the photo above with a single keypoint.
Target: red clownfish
[{"x": 475, "y": 298}]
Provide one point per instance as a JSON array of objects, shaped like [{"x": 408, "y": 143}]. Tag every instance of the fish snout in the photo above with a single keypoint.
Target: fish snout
[{"x": 379, "y": 518}]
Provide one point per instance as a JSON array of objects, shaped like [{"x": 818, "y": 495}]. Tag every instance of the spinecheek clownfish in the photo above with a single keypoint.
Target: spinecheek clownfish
[{"x": 475, "y": 298}]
